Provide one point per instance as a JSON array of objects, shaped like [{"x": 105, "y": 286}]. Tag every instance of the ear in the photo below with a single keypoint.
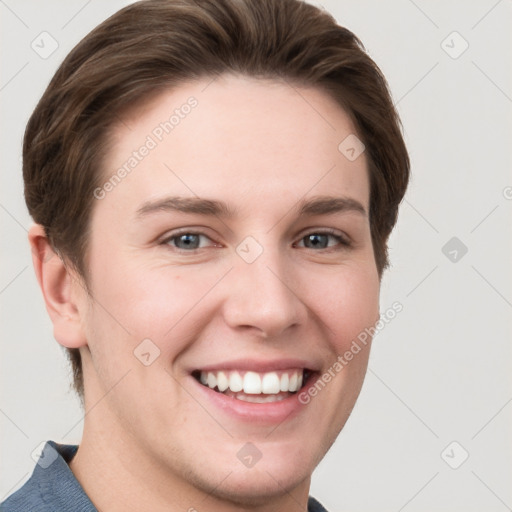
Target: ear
[{"x": 60, "y": 288}]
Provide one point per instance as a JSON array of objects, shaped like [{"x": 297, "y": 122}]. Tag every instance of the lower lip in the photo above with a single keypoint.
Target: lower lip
[{"x": 261, "y": 413}]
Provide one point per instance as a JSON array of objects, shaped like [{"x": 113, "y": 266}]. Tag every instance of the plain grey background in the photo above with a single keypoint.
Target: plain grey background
[{"x": 438, "y": 388}]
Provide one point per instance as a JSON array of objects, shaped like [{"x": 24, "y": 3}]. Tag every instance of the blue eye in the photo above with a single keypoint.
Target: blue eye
[
  {"x": 189, "y": 241},
  {"x": 185, "y": 241},
  {"x": 320, "y": 240}
]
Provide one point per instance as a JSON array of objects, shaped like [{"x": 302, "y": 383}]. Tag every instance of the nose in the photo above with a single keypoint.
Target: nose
[{"x": 262, "y": 296}]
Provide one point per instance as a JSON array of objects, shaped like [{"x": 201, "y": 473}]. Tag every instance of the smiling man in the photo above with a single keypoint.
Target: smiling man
[{"x": 213, "y": 185}]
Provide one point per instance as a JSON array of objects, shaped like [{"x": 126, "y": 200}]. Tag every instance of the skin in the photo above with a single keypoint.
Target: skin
[{"x": 151, "y": 441}]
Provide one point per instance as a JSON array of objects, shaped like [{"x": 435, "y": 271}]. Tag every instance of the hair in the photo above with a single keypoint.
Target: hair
[{"x": 153, "y": 45}]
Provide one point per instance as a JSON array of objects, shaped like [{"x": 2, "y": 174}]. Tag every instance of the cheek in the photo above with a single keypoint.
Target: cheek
[
  {"x": 154, "y": 302},
  {"x": 348, "y": 303}
]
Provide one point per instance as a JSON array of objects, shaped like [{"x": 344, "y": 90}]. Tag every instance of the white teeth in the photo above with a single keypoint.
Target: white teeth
[
  {"x": 212, "y": 380},
  {"x": 285, "y": 379},
  {"x": 292, "y": 386},
  {"x": 252, "y": 383},
  {"x": 270, "y": 384},
  {"x": 222, "y": 381},
  {"x": 235, "y": 382},
  {"x": 259, "y": 399}
]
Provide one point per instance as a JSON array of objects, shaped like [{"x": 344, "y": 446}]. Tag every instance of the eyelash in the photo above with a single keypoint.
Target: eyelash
[{"x": 343, "y": 242}]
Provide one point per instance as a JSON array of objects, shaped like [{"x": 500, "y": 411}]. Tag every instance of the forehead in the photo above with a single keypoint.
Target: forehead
[{"x": 241, "y": 138}]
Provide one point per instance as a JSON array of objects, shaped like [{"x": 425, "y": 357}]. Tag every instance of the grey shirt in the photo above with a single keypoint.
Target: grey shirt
[{"x": 53, "y": 487}]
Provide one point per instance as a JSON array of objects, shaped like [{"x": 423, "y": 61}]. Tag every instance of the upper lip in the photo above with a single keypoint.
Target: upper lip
[{"x": 259, "y": 365}]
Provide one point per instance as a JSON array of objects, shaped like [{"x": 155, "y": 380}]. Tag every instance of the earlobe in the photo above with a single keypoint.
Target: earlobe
[{"x": 60, "y": 290}]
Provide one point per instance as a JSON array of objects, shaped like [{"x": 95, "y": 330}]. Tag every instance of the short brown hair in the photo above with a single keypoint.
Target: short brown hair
[{"x": 153, "y": 45}]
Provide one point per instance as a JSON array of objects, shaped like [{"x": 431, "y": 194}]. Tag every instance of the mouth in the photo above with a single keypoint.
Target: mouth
[{"x": 256, "y": 387}]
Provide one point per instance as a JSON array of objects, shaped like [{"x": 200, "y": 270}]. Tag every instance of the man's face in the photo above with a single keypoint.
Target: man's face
[{"x": 267, "y": 291}]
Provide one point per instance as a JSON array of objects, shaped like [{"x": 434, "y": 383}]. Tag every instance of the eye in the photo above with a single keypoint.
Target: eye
[
  {"x": 189, "y": 241},
  {"x": 186, "y": 241},
  {"x": 320, "y": 240}
]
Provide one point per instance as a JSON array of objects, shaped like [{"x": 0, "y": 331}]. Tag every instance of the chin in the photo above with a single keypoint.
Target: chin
[
  {"x": 278, "y": 471},
  {"x": 256, "y": 486}
]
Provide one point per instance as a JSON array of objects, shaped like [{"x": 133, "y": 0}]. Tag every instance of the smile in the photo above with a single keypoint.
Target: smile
[{"x": 256, "y": 387}]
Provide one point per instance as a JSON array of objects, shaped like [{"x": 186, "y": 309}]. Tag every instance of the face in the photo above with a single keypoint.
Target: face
[{"x": 233, "y": 253}]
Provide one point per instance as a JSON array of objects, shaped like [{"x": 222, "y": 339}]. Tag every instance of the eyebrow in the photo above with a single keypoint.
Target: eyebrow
[{"x": 319, "y": 205}]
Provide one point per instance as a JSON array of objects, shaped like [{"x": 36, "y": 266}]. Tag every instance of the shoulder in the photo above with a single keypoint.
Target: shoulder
[
  {"x": 26, "y": 499},
  {"x": 315, "y": 506},
  {"x": 52, "y": 485}
]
